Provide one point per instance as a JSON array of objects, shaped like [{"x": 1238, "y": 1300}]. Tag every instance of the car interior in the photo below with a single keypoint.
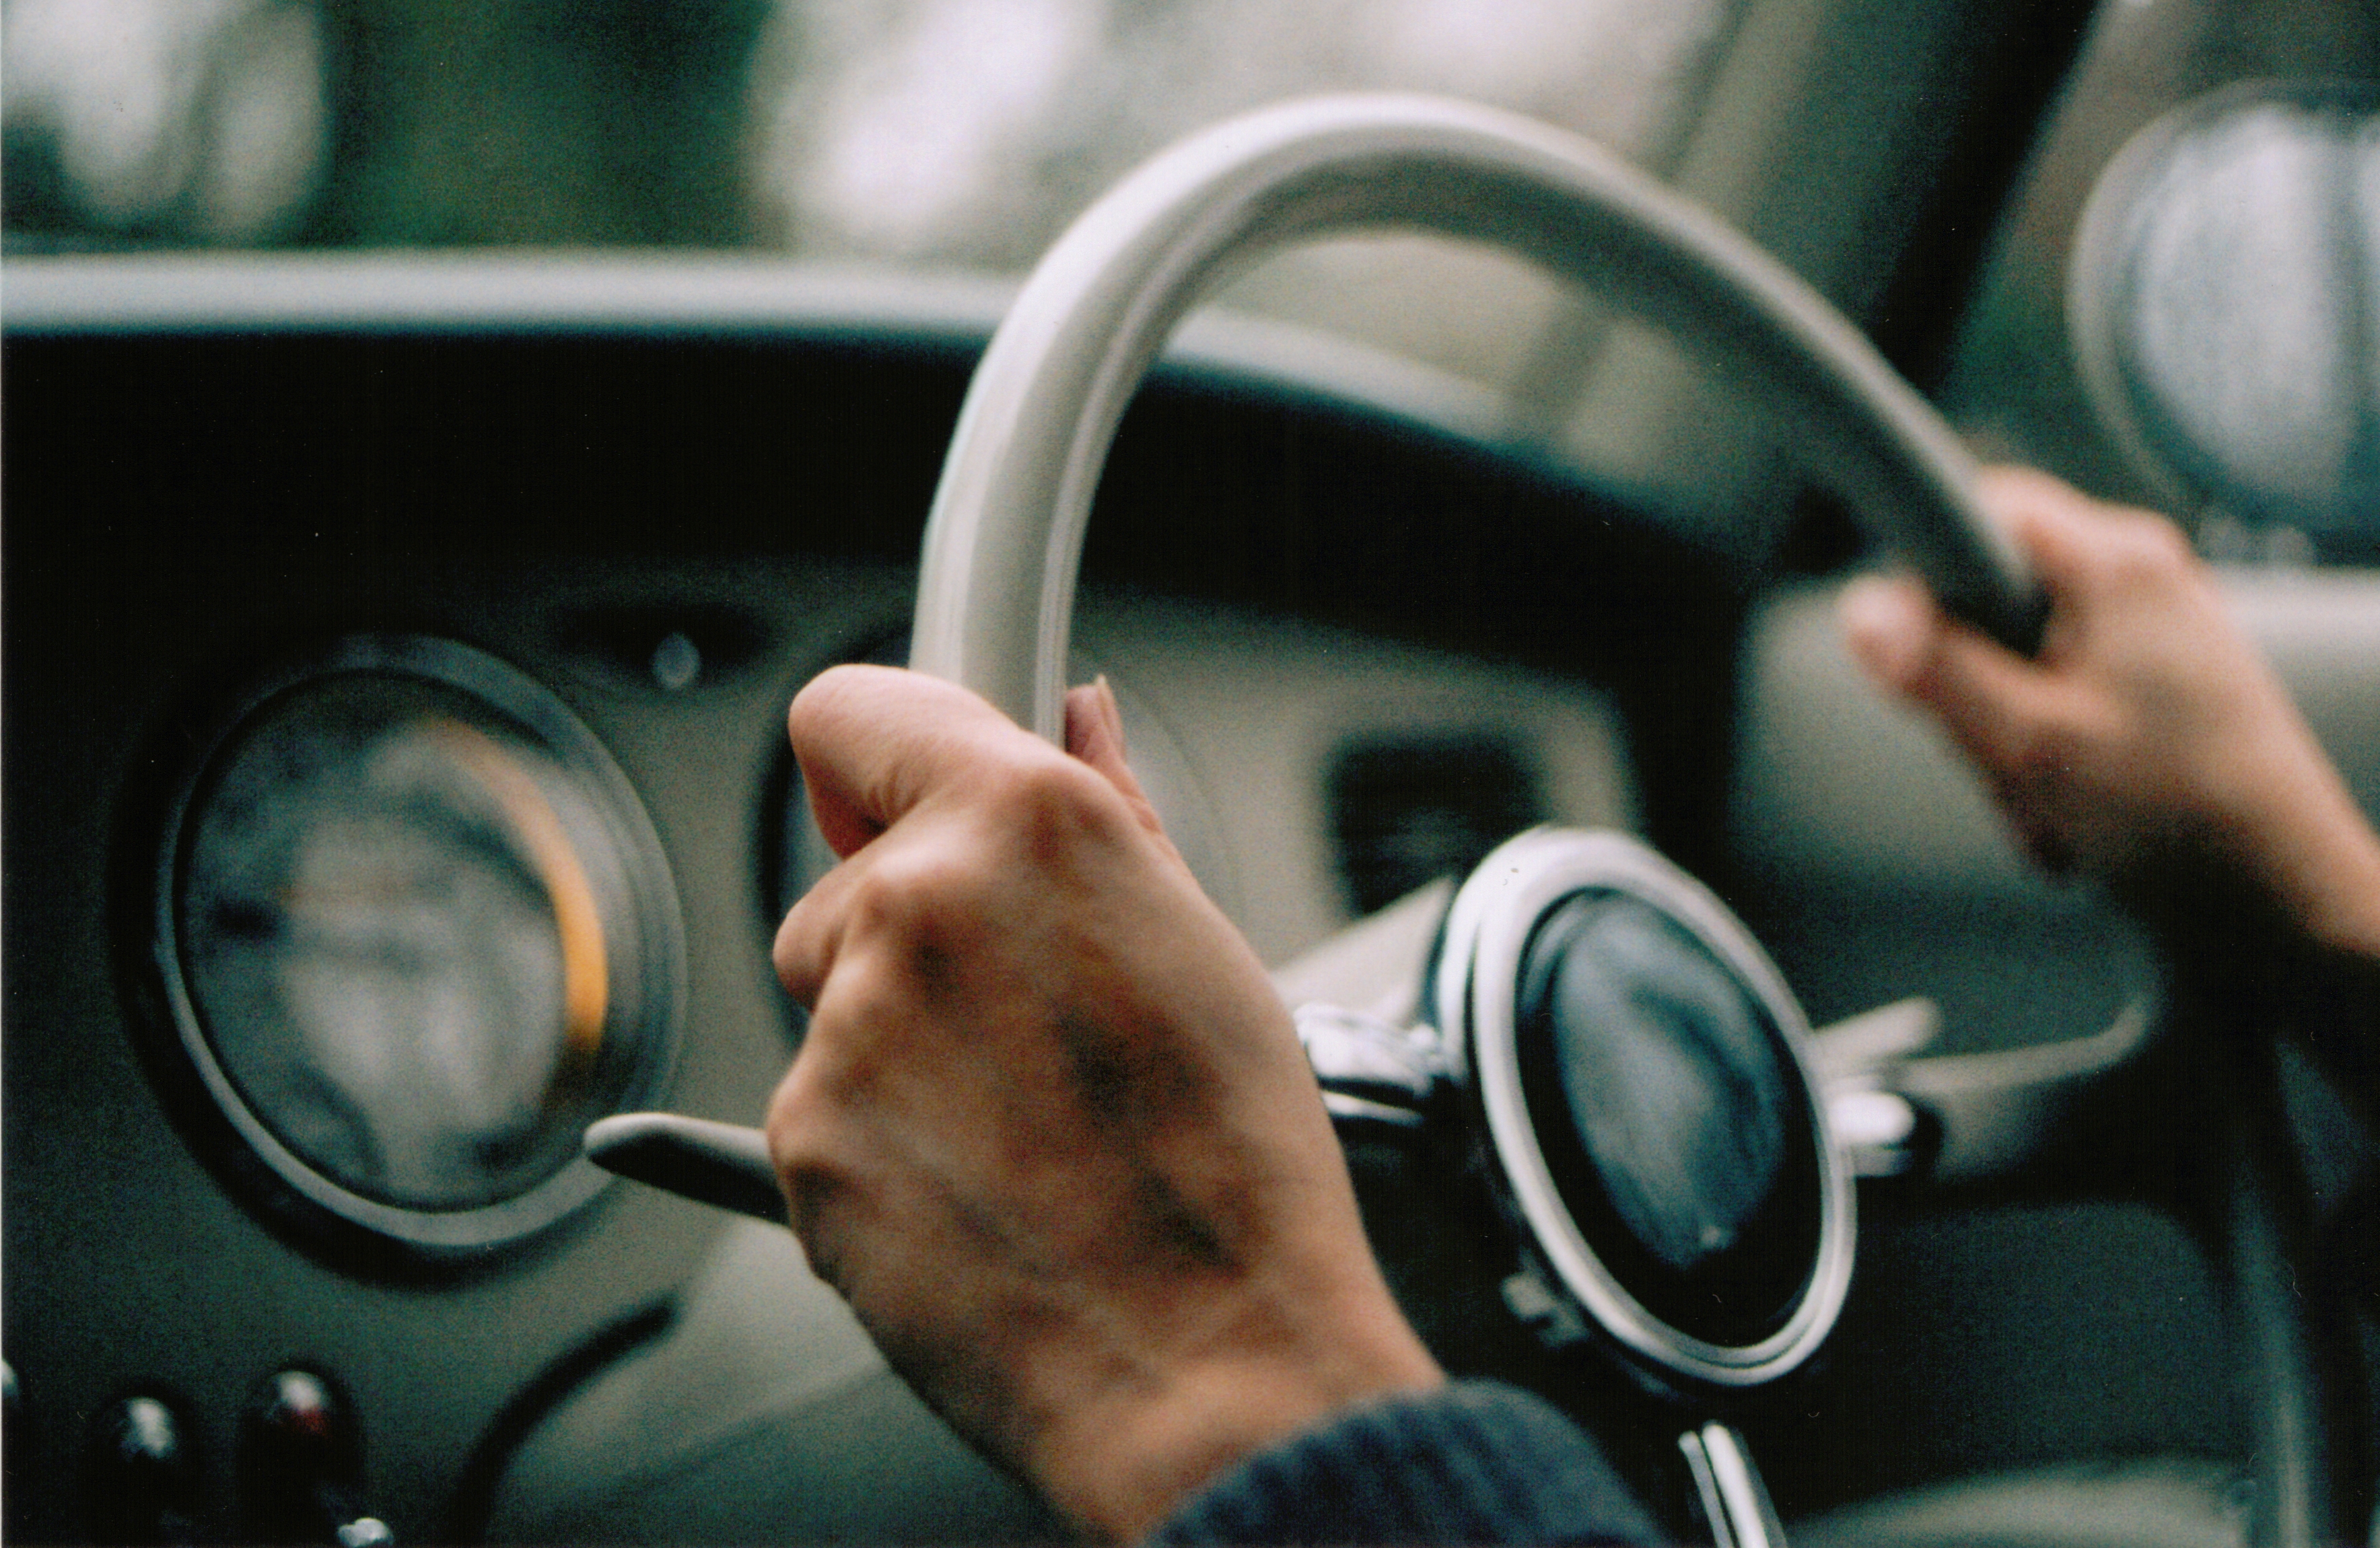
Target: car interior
[{"x": 438, "y": 441}]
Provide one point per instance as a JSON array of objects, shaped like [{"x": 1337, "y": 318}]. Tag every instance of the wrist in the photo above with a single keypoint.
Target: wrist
[
  {"x": 1122, "y": 1460},
  {"x": 2336, "y": 899},
  {"x": 2315, "y": 855}
]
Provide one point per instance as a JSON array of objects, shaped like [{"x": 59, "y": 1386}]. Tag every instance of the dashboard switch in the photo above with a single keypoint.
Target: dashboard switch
[
  {"x": 143, "y": 1477},
  {"x": 16, "y": 1458},
  {"x": 301, "y": 1463}
]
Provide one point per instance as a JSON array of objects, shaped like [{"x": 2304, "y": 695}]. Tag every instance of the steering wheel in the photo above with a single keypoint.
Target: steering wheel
[
  {"x": 1004, "y": 539},
  {"x": 996, "y": 594}
]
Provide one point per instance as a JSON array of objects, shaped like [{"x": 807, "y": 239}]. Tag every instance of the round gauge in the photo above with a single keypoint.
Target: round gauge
[
  {"x": 416, "y": 933},
  {"x": 2219, "y": 300}
]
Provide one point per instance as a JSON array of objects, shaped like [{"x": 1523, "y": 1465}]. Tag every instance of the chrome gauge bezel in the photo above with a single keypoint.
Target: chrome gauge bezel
[
  {"x": 1474, "y": 989},
  {"x": 519, "y": 702}
]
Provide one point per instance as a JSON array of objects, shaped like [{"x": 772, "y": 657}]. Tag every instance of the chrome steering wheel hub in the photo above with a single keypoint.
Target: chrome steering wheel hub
[{"x": 1636, "y": 1071}]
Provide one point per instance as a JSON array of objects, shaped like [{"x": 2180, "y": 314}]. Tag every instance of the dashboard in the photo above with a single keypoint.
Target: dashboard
[
  {"x": 509, "y": 569},
  {"x": 292, "y": 612}
]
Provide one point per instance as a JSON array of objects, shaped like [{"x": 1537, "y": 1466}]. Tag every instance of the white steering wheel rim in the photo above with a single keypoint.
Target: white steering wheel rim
[{"x": 1004, "y": 539}]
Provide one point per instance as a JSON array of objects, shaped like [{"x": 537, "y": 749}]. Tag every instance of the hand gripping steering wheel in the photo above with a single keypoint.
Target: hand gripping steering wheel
[{"x": 1003, "y": 543}]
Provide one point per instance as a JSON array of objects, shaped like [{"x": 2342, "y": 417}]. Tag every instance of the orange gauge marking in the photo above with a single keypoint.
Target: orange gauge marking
[{"x": 586, "y": 970}]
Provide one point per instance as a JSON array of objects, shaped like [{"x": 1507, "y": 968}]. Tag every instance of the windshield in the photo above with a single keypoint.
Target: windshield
[
  {"x": 952, "y": 132},
  {"x": 904, "y": 134},
  {"x": 941, "y": 135},
  {"x": 973, "y": 129}
]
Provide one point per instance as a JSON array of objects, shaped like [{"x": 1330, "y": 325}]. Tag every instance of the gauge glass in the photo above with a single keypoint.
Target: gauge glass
[
  {"x": 1672, "y": 1116},
  {"x": 421, "y": 940}
]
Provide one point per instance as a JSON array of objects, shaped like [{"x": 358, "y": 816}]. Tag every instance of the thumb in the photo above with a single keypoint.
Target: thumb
[
  {"x": 1095, "y": 734},
  {"x": 1888, "y": 625}
]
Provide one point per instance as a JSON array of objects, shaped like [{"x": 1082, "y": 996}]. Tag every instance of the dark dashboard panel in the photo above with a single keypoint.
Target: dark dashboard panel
[{"x": 186, "y": 511}]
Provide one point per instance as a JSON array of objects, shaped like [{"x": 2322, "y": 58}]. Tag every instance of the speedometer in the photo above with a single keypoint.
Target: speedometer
[{"x": 416, "y": 931}]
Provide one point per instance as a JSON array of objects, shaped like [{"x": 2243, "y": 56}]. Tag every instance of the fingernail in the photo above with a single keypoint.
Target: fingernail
[{"x": 1112, "y": 711}]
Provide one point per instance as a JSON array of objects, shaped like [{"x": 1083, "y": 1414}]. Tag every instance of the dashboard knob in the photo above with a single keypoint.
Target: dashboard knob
[
  {"x": 301, "y": 1463},
  {"x": 16, "y": 1458},
  {"x": 143, "y": 1475}
]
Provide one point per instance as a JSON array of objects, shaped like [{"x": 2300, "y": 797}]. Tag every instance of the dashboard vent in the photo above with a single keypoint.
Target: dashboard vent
[{"x": 1407, "y": 809}]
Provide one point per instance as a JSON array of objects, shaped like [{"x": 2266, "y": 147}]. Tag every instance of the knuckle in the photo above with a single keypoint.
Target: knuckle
[
  {"x": 920, "y": 892},
  {"x": 800, "y": 1103},
  {"x": 796, "y": 956},
  {"x": 816, "y": 1177},
  {"x": 801, "y": 1121},
  {"x": 1048, "y": 801},
  {"x": 794, "y": 1147},
  {"x": 2150, "y": 551},
  {"x": 788, "y": 1124}
]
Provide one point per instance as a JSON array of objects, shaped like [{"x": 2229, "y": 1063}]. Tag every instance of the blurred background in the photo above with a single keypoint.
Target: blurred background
[
  {"x": 956, "y": 131},
  {"x": 963, "y": 134}
]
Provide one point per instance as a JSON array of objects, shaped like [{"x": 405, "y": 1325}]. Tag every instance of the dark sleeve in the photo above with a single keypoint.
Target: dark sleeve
[
  {"x": 1474, "y": 1462},
  {"x": 2259, "y": 974}
]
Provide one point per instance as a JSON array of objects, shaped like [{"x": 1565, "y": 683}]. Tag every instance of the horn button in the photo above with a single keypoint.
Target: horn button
[{"x": 1671, "y": 1118}]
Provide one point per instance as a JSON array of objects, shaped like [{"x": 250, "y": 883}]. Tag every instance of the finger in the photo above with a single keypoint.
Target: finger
[
  {"x": 2000, "y": 708},
  {"x": 2058, "y": 528},
  {"x": 875, "y": 742},
  {"x": 1095, "y": 734},
  {"x": 1888, "y": 624},
  {"x": 2017, "y": 724},
  {"x": 2077, "y": 543},
  {"x": 2000, "y": 487},
  {"x": 809, "y": 937}
]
